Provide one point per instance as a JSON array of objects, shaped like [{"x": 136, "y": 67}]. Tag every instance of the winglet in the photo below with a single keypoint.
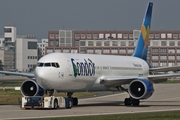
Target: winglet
[{"x": 142, "y": 44}]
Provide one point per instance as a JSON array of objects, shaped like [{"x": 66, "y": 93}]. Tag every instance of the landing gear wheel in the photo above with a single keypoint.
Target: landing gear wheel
[
  {"x": 135, "y": 102},
  {"x": 55, "y": 104},
  {"x": 75, "y": 101},
  {"x": 131, "y": 101},
  {"x": 127, "y": 102}
]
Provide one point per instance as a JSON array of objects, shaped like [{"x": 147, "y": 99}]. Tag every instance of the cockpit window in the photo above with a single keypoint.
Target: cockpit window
[
  {"x": 53, "y": 64},
  {"x": 40, "y": 64},
  {"x": 47, "y": 64},
  {"x": 56, "y": 65}
]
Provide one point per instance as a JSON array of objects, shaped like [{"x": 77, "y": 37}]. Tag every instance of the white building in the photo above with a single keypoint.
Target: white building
[
  {"x": 20, "y": 51},
  {"x": 9, "y": 48},
  {"x": 10, "y": 33},
  {"x": 42, "y": 45},
  {"x": 2, "y": 54},
  {"x": 26, "y": 53},
  {"x": 1, "y": 40}
]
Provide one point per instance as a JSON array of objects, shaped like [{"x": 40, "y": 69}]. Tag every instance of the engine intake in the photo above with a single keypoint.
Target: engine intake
[
  {"x": 30, "y": 88},
  {"x": 140, "y": 89}
]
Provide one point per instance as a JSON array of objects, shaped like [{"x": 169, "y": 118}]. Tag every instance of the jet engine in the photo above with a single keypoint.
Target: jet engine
[
  {"x": 30, "y": 88},
  {"x": 140, "y": 89}
]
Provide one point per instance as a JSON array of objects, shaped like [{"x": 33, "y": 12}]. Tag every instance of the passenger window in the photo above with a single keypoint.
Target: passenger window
[
  {"x": 47, "y": 64},
  {"x": 53, "y": 64},
  {"x": 57, "y": 65}
]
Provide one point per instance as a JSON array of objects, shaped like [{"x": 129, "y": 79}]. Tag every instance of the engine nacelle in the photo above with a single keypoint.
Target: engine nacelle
[
  {"x": 30, "y": 88},
  {"x": 140, "y": 89}
]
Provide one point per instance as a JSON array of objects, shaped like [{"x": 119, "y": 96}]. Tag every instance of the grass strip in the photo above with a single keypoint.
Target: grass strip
[{"x": 170, "y": 115}]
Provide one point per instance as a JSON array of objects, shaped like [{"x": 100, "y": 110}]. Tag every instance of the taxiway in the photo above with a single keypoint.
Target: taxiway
[{"x": 165, "y": 98}]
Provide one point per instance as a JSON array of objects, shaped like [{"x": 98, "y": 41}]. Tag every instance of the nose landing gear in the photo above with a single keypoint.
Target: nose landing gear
[{"x": 74, "y": 100}]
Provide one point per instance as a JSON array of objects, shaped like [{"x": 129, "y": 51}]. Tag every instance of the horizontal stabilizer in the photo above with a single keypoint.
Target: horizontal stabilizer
[{"x": 164, "y": 69}]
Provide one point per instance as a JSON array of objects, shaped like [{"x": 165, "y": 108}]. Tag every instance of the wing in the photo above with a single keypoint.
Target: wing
[
  {"x": 164, "y": 69},
  {"x": 29, "y": 75},
  {"x": 162, "y": 77},
  {"x": 113, "y": 81}
]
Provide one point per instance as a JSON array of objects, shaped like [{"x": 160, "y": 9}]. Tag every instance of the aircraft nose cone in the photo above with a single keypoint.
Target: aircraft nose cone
[
  {"x": 41, "y": 77},
  {"x": 39, "y": 74}
]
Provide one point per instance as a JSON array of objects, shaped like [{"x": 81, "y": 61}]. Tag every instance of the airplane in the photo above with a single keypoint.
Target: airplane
[{"x": 69, "y": 72}]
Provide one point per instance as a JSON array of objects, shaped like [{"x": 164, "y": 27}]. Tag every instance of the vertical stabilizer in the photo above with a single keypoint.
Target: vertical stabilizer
[{"x": 142, "y": 44}]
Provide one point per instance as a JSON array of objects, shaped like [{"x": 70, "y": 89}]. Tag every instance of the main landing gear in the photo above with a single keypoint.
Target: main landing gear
[
  {"x": 74, "y": 100},
  {"x": 131, "y": 101}
]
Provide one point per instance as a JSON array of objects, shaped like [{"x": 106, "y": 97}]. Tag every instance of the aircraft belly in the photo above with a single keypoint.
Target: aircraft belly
[{"x": 76, "y": 84}]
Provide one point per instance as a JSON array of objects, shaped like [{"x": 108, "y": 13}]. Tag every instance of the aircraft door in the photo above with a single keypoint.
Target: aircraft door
[{"x": 70, "y": 68}]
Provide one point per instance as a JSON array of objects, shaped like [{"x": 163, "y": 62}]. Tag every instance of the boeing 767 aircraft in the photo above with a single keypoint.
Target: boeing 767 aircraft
[{"x": 67, "y": 72}]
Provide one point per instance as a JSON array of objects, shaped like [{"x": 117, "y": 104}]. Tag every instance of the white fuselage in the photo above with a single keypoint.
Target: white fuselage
[{"x": 90, "y": 68}]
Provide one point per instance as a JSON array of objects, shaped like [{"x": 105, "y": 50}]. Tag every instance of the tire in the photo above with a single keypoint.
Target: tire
[
  {"x": 127, "y": 102},
  {"x": 75, "y": 101},
  {"x": 135, "y": 102},
  {"x": 55, "y": 104}
]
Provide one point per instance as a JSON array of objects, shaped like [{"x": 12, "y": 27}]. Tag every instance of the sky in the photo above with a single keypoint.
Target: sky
[{"x": 37, "y": 17}]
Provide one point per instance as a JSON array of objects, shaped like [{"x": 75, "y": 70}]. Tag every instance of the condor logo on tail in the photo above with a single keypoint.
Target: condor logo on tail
[{"x": 86, "y": 68}]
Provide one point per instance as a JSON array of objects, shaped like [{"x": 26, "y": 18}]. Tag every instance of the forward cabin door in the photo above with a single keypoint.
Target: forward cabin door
[{"x": 70, "y": 68}]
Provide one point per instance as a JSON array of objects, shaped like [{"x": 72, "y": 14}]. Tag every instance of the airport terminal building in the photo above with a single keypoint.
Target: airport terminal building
[
  {"x": 164, "y": 46},
  {"x": 18, "y": 52}
]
